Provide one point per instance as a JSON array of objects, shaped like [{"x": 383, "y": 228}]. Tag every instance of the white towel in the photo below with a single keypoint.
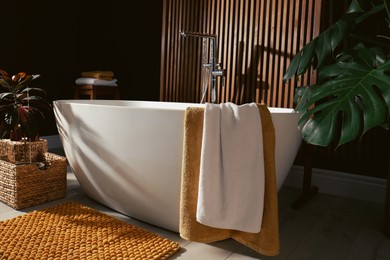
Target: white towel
[
  {"x": 231, "y": 182},
  {"x": 97, "y": 82}
]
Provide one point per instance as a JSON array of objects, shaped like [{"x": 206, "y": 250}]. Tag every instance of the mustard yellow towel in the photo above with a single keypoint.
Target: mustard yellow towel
[
  {"x": 266, "y": 241},
  {"x": 98, "y": 74}
]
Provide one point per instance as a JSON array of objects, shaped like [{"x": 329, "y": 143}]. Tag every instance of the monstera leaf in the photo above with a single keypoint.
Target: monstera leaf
[
  {"x": 352, "y": 93},
  {"x": 321, "y": 49},
  {"x": 353, "y": 96}
]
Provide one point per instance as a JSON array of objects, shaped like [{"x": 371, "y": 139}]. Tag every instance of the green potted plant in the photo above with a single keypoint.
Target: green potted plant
[
  {"x": 21, "y": 109},
  {"x": 352, "y": 91}
]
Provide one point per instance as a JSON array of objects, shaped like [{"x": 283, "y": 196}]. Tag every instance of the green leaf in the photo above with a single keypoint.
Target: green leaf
[
  {"x": 305, "y": 61},
  {"x": 325, "y": 44},
  {"x": 293, "y": 67},
  {"x": 355, "y": 6},
  {"x": 353, "y": 97}
]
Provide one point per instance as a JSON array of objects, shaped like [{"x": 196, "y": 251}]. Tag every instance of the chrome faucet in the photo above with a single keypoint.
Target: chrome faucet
[{"x": 212, "y": 67}]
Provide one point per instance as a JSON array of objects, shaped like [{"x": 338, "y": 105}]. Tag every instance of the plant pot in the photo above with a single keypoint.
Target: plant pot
[{"x": 23, "y": 151}]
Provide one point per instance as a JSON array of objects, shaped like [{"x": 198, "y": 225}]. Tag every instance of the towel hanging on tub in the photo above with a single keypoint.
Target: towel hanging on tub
[
  {"x": 231, "y": 182},
  {"x": 267, "y": 240}
]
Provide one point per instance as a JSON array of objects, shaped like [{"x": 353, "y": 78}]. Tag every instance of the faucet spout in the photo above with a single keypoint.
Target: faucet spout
[
  {"x": 197, "y": 34},
  {"x": 214, "y": 71}
]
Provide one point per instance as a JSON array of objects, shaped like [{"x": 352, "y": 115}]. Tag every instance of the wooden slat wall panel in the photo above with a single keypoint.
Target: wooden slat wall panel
[{"x": 255, "y": 42}]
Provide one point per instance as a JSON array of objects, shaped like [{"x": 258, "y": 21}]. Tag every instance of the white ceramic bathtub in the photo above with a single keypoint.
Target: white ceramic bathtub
[{"x": 127, "y": 154}]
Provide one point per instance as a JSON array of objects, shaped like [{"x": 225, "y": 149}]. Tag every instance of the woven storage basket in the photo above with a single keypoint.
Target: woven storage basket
[
  {"x": 21, "y": 151},
  {"x": 25, "y": 185}
]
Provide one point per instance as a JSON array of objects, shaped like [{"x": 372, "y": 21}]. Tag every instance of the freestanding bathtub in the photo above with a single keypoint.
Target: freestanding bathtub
[{"x": 127, "y": 154}]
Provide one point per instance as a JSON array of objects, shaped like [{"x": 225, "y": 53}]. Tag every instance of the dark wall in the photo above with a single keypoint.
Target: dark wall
[{"x": 60, "y": 39}]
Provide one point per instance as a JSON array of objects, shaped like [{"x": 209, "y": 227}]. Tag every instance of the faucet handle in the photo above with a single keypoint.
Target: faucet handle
[{"x": 219, "y": 72}]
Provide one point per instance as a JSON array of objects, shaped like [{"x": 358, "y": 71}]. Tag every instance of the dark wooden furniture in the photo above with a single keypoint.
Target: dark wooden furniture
[{"x": 96, "y": 92}]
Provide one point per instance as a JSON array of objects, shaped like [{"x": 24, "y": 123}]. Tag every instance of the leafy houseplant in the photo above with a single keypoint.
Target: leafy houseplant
[
  {"x": 29, "y": 174},
  {"x": 352, "y": 92},
  {"x": 21, "y": 108}
]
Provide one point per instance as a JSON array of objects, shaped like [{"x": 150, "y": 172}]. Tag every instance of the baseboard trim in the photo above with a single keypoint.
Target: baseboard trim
[{"x": 341, "y": 184}]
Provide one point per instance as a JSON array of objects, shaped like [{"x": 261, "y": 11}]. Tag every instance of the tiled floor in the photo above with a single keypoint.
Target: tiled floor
[{"x": 328, "y": 227}]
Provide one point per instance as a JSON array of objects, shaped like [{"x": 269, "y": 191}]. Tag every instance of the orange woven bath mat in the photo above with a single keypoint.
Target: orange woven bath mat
[{"x": 74, "y": 231}]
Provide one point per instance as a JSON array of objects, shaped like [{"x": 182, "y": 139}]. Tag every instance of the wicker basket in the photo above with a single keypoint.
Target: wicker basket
[
  {"x": 25, "y": 185},
  {"x": 21, "y": 151}
]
